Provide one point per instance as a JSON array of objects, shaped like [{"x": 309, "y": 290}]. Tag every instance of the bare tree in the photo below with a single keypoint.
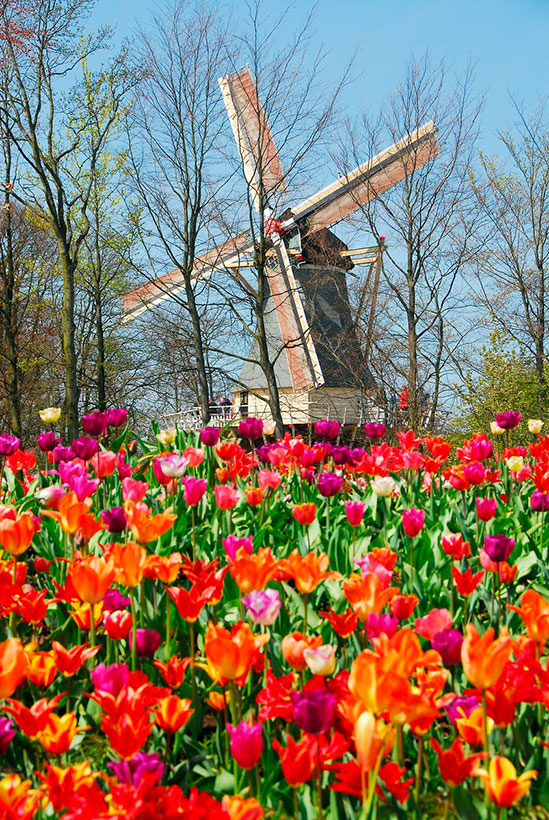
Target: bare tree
[
  {"x": 513, "y": 196},
  {"x": 174, "y": 151},
  {"x": 42, "y": 114},
  {"x": 429, "y": 220}
]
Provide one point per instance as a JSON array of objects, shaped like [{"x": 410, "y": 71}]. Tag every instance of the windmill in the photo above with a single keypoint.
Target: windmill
[{"x": 320, "y": 368}]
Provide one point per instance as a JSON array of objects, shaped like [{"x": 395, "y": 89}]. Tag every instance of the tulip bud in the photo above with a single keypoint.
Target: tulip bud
[
  {"x": 322, "y": 660},
  {"x": 365, "y": 730},
  {"x": 41, "y": 564},
  {"x": 117, "y": 624},
  {"x": 246, "y": 743}
]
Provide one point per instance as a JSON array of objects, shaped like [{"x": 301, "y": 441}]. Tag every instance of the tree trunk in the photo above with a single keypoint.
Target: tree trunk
[
  {"x": 264, "y": 358},
  {"x": 203, "y": 391},
  {"x": 540, "y": 346},
  {"x": 13, "y": 398},
  {"x": 412, "y": 340},
  {"x": 69, "y": 346},
  {"x": 101, "y": 382}
]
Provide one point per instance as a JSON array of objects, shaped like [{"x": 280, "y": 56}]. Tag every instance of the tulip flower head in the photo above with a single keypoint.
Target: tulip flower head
[
  {"x": 263, "y": 606},
  {"x": 354, "y": 511},
  {"x": 246, "y": 743},
  {"x": 486, "y": 508},
  {"x": 250, "y": 428},
  {"x": 503, "y": 785},
  {"x": 209, "y": 436},
  {"x": 374, "y": 430},
  {"x": 383, "y": 486},
  {"x": 131, "y": 771},
  {"x": 314, "y": 710},
  {"x": 498, "y": 547},
  {"x": 50, "y": 415},
  {"x": 484, "y": 658},
  {"x": 413, "y": 521},
  {"x": 534, "y": 426},
  {"x": 322, "y": 660},
  {"x": 509, "y": 420},
  {"x": 326, "y": 429}
]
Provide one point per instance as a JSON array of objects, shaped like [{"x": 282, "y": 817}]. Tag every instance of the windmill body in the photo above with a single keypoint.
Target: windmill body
[{"x": 320, "y": 367}]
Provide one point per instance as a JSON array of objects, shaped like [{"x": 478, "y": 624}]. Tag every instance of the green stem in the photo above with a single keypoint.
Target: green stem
[
  {"x": 134, "y": 629},
  {"x": 417, "y": 787},
  {"x": 168, "y": 613},
  {"x": 92, "y": 627},
  {"x": 318, "y": 781}
]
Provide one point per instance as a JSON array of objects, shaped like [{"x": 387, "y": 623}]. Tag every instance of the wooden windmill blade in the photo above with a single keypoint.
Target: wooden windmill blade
[
  {"x": 369, "y": 180},
  {"x": 225, "y": 256},
  {"x": 253, "y": 135}
]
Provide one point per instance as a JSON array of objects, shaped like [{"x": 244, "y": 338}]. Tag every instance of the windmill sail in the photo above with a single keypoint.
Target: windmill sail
[
  {"x": 252, "y": 134},
  {"x": 150, "y": 294},
  {"x": 368, "y": 181}
]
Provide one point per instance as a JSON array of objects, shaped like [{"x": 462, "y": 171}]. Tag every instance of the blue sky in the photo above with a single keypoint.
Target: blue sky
[{"x": 506, "y": 39}]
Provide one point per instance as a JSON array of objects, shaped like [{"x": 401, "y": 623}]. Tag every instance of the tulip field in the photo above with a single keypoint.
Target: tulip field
[{"x": 219, "y": 624}]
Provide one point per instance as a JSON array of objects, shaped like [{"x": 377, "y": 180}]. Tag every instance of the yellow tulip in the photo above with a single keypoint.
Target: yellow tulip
[{"x": 50, "y": 415}]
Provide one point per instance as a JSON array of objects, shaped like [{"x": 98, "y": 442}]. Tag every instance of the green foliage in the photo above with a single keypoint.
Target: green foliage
[{"x": 507, "y": 380}]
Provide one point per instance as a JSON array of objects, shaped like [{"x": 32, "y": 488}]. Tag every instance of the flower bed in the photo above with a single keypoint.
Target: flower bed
[{"x": 236, "y": 627}]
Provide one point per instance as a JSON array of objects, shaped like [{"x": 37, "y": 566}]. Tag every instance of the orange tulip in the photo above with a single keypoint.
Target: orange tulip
[
  {"x": 13, "y": 666},
  {"x": 240, "y": 808},
  {"x": 91, "y": 577},
  {"x": 534, "y": 611},
  {"x": 130, "y": 560},
  {"x": 62, "y": 783},
  {"x": 470, "y": 729},
  {"x": 69, "y": 661},
  {"x": 229, "y": 654},
  {"x": 304, "y": 513},
  {"x": 172, "y": 713},
  {"x": 17, "y": 799},
  {"x": 163, "y": 568},
  {"x": 173, "y": 671},
  {"x": 71, "y": 512},
  {"x": 16, "y": 536},
  {"x": 372, "y": 738},
  {"x": 41, "y": 668},
  {"x": 59, "y": 732},
  {"x": 484, "y": 659},
  {"x": 502, "y": 784},
  {"x": 81, "y": 614},
  {"x": 308, "y": 570},
  {"x": 366, "y": 594},
  {"x": 89, "y": 526},
  {"x": 144, "y": 526},
  {"x": 254, "y": 496},
  {"x": 294, "y": 645},
  {"x": 32, "y": 720},
  {"x": 253, "y": 572},
  {"x": 218, "y": 701}
]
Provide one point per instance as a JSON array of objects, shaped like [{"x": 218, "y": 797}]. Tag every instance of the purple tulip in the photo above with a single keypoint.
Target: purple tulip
[
  {"x": 82, "y": 486},
  {"x": 209, "y": 436},
  {"x": 147, "y": 641},
  {"x": 85, "y": 448},
  {"x": 132, "y": 771},
  {"x": 314, "y": 710},
  {"x": 111, "y": 679},
  {"x": 498, "y": 547},
  {"x": 232, "y": 544},
  {"x": 357, "y": 454},
  {"x": 95, "y": 424},
  {"x": 117, "y": 417},
  {"x": 263, "y": 606},
  {"x": 263, "y": 452},
  {"x": 377, "y": 625},
  {"x": 8, "y": 444},
  {"x": 329, "y": 484},
  {"x": 250, "y": 428},
  {"x": 327, "y": 429},
  {"x": 113, "y": 600},
  {"x": 341, "y": 455},
  {"x": 461, "y": 706},
  {"x": 507, "y": 421},
  {"x": 47, "y": 441},
  {"x": 115, "y": 519},
  {"x": 539, "y": 502},
  {"x": 374, "y": 430},
  {"x": 61, "y": 453},
  {"x": 7, "y": 733},
  {"x": 448, "y": 644}
]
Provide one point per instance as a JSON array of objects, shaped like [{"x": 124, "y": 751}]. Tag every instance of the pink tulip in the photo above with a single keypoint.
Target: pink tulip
[
  {"x": 194, "y": 490},
  {"x": 133, "y": 490},
  {"x": 246, "y": 743},
  {"x": 355, "y": 512},
  {"x": 486, "y": 508},
  {"x": 413, "y": 521},
  {"x": 226, "y": 496},
  {"x": 435, "y": 621},
  {"x": 104, "y": 463}
]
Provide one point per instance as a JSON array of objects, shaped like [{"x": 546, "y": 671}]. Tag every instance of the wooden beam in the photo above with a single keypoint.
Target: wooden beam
[{"x": 360, "y": 251}]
